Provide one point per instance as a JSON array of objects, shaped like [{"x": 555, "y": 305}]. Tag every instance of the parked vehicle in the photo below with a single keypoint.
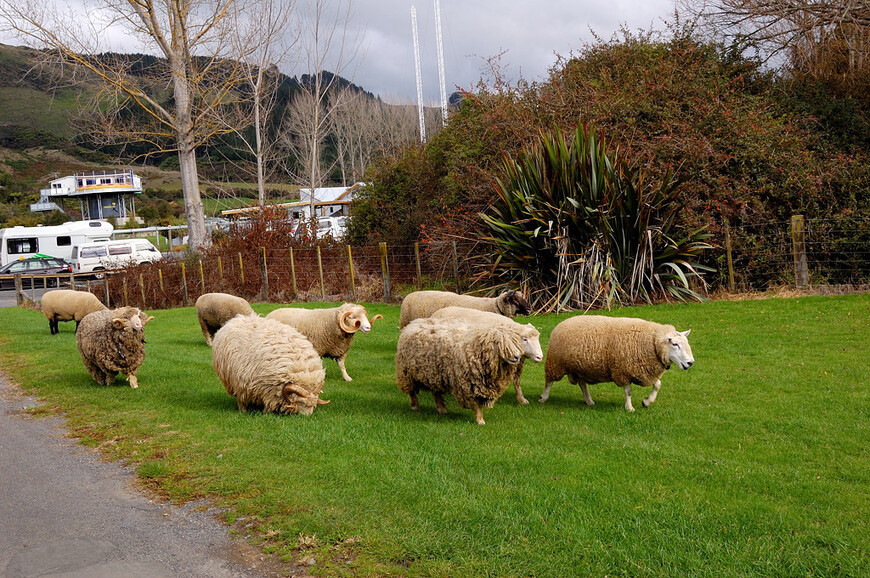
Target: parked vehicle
[
  {"x": 39, "y": 265},
  {"x": 326, "y": 226},
  {"x": 95, "y": 257},
  {"x": 55, "y": 241}
]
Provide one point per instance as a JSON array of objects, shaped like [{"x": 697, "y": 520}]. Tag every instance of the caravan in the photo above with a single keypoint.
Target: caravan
[
  {"x": 96, "y": 257},
  {"x": 56, "y": 241}
]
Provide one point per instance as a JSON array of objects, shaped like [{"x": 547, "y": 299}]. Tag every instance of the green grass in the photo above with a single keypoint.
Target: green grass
[{"x": 752, "y": 463}]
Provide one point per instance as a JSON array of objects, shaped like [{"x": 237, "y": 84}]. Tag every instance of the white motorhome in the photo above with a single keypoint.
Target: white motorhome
[
  {"x": 96, "y": 257},
  {"x": 55, "y": 241}
]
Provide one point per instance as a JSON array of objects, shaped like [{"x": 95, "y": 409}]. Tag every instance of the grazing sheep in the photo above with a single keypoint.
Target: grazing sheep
[
  {"x": 424, "y": 303},
  {"x": 266, "y": 364},
  {"x": 215, "y": 309},
  {"x": 330, "y": 331},
  {"x": 531, "y": 337},
  {"x": 68, "y": 305},
  {"x": 596, "y": 349},
  {"x": 112, "y": 342},
  {"x": 473, "y": 362}
]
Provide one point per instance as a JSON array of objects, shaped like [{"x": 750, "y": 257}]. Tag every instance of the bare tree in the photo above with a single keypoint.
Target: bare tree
[
  {"x": 815, "y": 35},
  {"x": 325, "y": 44},
  {"x": 262, "y": 38},
  {"x": 189, "y": 34}
]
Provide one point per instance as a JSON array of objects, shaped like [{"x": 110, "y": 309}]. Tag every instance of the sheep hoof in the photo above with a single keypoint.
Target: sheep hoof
[
  {"x": 629, "y": 408},
  {"x": 348, "y": 378},
  {"x": 523, "y": 401},
  {"x": 590, "y": 402},
  {"x": 542, "y": 399},
  {"x": 646, "y": 403}
]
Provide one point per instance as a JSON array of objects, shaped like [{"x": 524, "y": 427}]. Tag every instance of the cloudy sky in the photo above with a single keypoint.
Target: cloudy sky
[
  {"x": 526, "y": 33},
  {"x": 529, "y": 33}
]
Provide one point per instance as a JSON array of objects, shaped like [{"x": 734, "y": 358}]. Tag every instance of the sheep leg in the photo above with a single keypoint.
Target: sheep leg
[
  {"x": 133, "y": 381},
  {"x": 519, "y": 391},
  {"x": 627, "y": 389},
  {"x": 206, "y": 331},
  {"x": 545, "y": 395},
  {"x": 110, "y": 377},
  {"x": 478, "y": 415},
  {"x": 415, "y": 401},
  {"x": 654, "y": 394},
  {"x": 95, "y": 371},
  {"x": 586, "y": 397},
  {"x": 341, "y": 366},
  {"x": 440, "y": 406}
]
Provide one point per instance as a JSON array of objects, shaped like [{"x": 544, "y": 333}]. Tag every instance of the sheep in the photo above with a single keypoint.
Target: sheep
[
  {"x": 215, "y": 309},
  {"x": 531, "y": 337},
  {"x": 113, "y": 341},
  {"x": 330, "y": 331},
  {"x": 473, "y": 362},
  {"x": 266, "y": 364},
  {"x": 68, "y": 305},
  {"x": 424, "y": 303},
  {"x": 596, "y": 349}
]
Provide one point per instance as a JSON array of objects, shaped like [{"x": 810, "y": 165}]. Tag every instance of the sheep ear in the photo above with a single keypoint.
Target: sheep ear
[
  {"x": 344, "y": 322},
  {"x": 685, "y": 333},
  {"x": 118, "y": 323}
]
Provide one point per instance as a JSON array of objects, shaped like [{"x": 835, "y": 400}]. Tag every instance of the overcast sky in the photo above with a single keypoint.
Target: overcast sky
[{"x": 529, "y": 33}]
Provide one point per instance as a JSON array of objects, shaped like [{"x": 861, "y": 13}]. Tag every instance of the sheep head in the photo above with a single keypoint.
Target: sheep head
[
  {"x": 674, "y": 348},
  {"x": 128, "y": 317},
  {"x": 353, "y": 318},
  {"x": 513, "y": 303},
  {"x": 300, "y": 400},
  {"x": 531, "y": 340}
]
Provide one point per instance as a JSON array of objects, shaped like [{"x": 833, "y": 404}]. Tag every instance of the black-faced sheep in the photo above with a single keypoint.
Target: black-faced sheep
[
  {"x": 330, "y": 331},
  {"x": 266, "y": 364},
  {"x": 68, "y": 305},
  {"x": 531, "y": 337},
  {"x": 112, "y": 342},
  {"x": 424, "y": 303},
  {"x": 595, "y": 349},
  {"x": 215, "y": 309},
  {"x": 474, "y": 363}
]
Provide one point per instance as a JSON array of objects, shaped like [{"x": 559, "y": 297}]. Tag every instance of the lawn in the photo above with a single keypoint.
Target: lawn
[{"x": 752, "y": 463}]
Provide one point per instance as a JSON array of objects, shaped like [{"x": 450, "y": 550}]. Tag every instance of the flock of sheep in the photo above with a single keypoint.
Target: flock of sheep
[{"x": 464, "y": 346}]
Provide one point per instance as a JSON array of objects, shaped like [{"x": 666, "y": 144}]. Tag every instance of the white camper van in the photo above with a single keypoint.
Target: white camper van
[
  {"x": 56, "y": 241},
  {"x": 95, "y": 257}
]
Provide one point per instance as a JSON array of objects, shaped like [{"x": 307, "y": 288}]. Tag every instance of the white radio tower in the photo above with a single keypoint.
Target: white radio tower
[
  {"x": 419, "y": 74},
  {"x": 441, "y": 62}
]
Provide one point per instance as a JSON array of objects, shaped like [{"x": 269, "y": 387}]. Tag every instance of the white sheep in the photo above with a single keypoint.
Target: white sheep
[
  {"x": 424, "y": 303},
  {"x": 596, "y": 349},
  {"x": 112, "y": 342},
  {"x": 473, "y": 362},
  {"x": 68, "y": 305},
  {"x": 330, "y": 331},
  {"x": 215, "y": 309},
  {"x": 266, "y": 364},
  {"x": 531, "y": 337}
]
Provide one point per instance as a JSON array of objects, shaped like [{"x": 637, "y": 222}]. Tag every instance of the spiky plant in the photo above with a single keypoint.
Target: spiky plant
[{"x": 576, "y": 227}]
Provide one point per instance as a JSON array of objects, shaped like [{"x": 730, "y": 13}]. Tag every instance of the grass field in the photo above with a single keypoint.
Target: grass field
[{"x": 752, "y": 463}]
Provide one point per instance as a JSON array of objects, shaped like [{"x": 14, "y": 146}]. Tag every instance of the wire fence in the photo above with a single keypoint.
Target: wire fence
[{"x": 802, "y": 254}]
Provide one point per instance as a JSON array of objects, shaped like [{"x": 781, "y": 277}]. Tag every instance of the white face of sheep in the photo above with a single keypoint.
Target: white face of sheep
[
  {"x": 355, "y": 319},
  {"x": 532, "y": 344},
  {"x": 679, "y": 350}
]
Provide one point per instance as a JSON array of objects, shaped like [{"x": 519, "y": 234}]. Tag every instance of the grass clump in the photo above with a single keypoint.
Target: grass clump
[{"x": 752, "y": 463}]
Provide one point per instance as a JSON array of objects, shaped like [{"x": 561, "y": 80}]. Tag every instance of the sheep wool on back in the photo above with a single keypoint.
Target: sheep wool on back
[
  {"x": 419, "y": 304},
  {"x": 213, "y": 310},
  {"x": 68, "y": 305},
  {"x": 266, "y": 364}
]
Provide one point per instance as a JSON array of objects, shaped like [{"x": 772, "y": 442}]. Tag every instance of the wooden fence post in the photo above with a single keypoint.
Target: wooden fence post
[
  {"x": 417, "y": 260},
  {"x": 456, "y": 267},
  {"x": 728, "y": 255},
  {"x": 385, "y": 270},
  {"x": 72, "y": 281},
  {"x": 142, "y": 289},
  {"x": 350, "y": 268},
  {"x": 220, "y": 270},
  {"x": 160, "y": 279},
  {"x": 124, "y": 289},
  {"x": 264, "y": 274},
  {"x": 799, "y": 248},
  {"x": 201, "y": 277},
  {"x": 184, "y": 297},
  {"x": 19, "y": 290},
  {"x": 320, "y": 273},
  {"x": 241, "y": 271},
  {"x": 293, "y": 273}
]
